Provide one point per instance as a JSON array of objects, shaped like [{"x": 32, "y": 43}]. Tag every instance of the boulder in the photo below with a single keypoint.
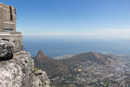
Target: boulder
[{"x": 9, "y": 46}]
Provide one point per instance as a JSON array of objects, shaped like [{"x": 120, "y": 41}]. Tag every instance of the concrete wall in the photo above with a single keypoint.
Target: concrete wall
[
  {"x": 7, "y": 18},
  {"x": 1, "y": 19}
]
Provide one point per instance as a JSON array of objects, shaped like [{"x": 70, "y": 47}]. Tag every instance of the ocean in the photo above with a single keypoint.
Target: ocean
[{"x": 58, "y": 46}]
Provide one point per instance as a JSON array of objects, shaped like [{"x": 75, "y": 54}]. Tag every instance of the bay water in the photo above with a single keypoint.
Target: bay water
[{"x": 58, "y": 46}]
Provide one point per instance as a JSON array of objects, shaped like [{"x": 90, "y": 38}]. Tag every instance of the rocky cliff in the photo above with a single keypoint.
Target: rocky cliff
[
  {"x": 20, "y": 72},
  {"x": 16, "y": 66},
  {"x": 9, "y": 46}
]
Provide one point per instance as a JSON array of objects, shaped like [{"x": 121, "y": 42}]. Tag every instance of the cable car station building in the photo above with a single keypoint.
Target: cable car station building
[{"x": 8, "y": 20}]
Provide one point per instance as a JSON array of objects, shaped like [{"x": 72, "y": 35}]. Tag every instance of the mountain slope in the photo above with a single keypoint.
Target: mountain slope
[
  {"x": 61, "y": 67},
  {"x": 50, "y": 65},
  {"x": 85, "y": 70},
  {"x": 90, "y": 56}
]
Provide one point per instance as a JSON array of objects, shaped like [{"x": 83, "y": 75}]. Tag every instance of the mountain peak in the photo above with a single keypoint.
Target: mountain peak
[{"x": 40, "y": 52}]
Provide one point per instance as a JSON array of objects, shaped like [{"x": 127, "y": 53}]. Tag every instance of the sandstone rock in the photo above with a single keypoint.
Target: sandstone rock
[
  {"x": 20, "y": 72},
  {"x": 9, "y": 46}
]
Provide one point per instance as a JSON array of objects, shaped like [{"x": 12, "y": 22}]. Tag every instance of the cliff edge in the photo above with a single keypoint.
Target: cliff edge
[
  {"x": 20, "y": 72},
  {"x": 16, "y": 66}
]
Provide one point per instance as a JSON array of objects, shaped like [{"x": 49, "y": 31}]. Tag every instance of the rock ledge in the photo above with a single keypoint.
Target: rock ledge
[{"x": 20, "y": 72}]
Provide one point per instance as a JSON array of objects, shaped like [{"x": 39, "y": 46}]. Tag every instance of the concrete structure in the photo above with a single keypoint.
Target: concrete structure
[
  {"x": 8, "y": 21},
  {"x": 7, "y": 18}
]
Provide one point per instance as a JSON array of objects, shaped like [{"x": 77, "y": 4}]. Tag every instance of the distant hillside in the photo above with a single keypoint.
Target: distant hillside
[
  {"x": 61, "y": 67},
  {"x": 91, "y": 56},
  {"x": 50, "y": 65}
]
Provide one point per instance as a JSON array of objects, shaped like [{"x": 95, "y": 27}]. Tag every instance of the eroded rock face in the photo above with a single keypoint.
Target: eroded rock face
[
  {"x": 9, "y": 46},
  {"x": 20, "y": 72}
]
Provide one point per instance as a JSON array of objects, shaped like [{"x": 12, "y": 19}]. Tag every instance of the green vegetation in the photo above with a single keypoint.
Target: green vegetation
[
  {"x": 27, "y": 52},
  {"x": 40, "y": 84},
  {"x": 43, "y": 81},
  {"x": 2, "y": 62},
  {"x": 35, "y": 69}
]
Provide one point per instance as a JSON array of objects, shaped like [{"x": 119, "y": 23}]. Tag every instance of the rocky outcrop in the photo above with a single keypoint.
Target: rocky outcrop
[
  {"x": 9, "y": 46},
  {"x": 20, "y": 72}
]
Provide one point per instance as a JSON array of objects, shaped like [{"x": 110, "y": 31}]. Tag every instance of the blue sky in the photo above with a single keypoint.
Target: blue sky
[{"x": 105, "y": 19}]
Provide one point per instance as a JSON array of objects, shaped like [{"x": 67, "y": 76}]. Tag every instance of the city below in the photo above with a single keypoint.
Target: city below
[{"x": 90, "y": 70}]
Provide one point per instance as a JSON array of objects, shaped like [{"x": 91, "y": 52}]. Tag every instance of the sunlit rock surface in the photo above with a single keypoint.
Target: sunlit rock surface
[
  {"x": 20, "y": 72},
  {"x": 9, "y": 46}
]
